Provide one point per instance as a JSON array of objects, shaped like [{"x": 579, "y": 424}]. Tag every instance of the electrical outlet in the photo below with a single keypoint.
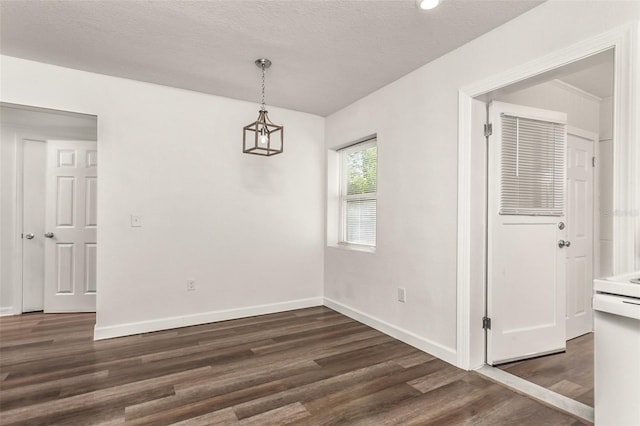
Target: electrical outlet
[
  {"x": 402, "y": 294},
  {"x": 136, "y": 221},
  {"x": 191, "y": 285}
]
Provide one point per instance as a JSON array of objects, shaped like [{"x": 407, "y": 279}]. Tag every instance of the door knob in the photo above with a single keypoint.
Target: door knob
[
  {"x": 49, "y": 235},
  {"x": 562, "y": 243},
  {"x": 567, "y": 243},
  {"x": 29, "y": 236}
]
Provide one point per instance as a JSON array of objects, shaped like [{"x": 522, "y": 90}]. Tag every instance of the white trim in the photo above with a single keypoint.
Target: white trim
[
  {"x": 626, "y": 153},
  {"x": 575, "y": 90},
  {"x": 7, "y": 310},
  {"x": 596, "y": 208},
  {"x": 463, "y": 261},
  {"x": 128, "y": 329},
  {"x": 353, "y": 247},
  {"x": 443, "y": 352},
  {"x": 584, "y": 134},
  {"x": 18, "y": 287}
]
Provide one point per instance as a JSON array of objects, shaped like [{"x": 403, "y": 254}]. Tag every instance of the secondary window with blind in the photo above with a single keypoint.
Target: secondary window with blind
[
  {"x": 533, "y": 167},
  {"x": 358, "y": 193}
]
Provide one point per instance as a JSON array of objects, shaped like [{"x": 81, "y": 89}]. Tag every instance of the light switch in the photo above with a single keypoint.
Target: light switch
[
  {"x": 402, "y": 294},
  {"x": 136, "y": 221}
]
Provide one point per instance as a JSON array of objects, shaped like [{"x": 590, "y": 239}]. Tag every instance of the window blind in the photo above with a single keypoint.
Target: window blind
[
  {"x": 359, "y": 193},
  {"x": 361, "y": 222},
  {"x": 532, "y": 167}
]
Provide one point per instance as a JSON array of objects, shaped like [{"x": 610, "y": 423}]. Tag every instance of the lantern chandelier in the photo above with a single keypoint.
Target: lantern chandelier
[{"x": 263, "y": 137}]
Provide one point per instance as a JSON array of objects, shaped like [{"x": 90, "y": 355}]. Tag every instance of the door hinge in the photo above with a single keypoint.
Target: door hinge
[
  {"x": 488, "y": 130},
  {"x": 486, "y": 323},
  {"x": 593, "y": 161}
]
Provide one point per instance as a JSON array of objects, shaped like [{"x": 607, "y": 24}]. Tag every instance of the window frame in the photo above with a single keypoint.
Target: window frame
[{"x": 344, "y": 197}]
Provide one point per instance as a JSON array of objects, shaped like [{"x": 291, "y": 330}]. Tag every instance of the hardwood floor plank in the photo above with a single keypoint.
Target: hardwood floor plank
[
  {"x": 575, "y": 366},
  {"x": 39, "y": 375},
  {"x": 123, "y": 393},
  {"x": 279, "y": 416},
  {"x": 318, "y": 403},
  {"x": 217, "y": 394},
  {"x": 414, "y": 359},
  {"x": 364, "y": 406},
  {"x": 178, "y": 410},
  {"x": 443, "y": 375},
  {"x": 309, "y": 367},
  {"x": 568, "y": 388},
  {"x": 37, "y": 391},
  {"x": 520, "y": 410},
  {"x": 467, "y": 413},
  {"x": 220, "y": 417},
  {"x": 84, "y": 417},
  {"x": 308, "y": 391}
]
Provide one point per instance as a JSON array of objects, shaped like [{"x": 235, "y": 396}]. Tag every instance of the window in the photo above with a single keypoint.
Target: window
[
  {"x": 358, "y": 199},
  {"x": 533, "y": 168}
]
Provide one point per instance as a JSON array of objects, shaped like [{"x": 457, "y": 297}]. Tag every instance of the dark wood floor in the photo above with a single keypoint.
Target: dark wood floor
[
  {"x": 307, "y": 367},
  {"x": 569, "y": 374}
]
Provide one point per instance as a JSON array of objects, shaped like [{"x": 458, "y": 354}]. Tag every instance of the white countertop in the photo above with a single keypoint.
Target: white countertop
[{"x": 618, "y": 284}]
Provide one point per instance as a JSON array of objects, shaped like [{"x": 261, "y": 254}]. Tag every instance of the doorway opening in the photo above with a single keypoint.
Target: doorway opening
[
  {"x": 471, "y": 206},
  {"x": 576, "y": 245},
  {"x": 49, "y": 210}
]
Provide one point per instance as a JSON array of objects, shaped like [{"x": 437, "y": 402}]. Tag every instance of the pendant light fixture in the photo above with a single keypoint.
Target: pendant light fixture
[{"x": 262, "y": 137}]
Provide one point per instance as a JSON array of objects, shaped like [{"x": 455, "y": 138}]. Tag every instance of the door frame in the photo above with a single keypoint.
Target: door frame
[
  {"x": 470, "y": 350},
  {"x": 37, "y": 132}
]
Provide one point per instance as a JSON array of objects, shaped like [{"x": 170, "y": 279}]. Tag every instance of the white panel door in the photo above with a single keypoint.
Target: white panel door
[
  {"x": 580, "y": 234},
  {"x": 34, "y": 194},
  {"x": 71, "y": 223},
  {"x": 526, "y": 266}
]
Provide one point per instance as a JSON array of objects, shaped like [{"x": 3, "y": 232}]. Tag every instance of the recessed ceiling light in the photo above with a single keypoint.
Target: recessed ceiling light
[{"x": 427, "y": 4}]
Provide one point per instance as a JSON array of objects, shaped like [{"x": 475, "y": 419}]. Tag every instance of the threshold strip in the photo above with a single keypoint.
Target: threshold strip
[{"x": 538, "y": 393}]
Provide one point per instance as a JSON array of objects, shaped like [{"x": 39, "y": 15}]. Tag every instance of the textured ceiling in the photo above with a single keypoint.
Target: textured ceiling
[{"x": 326, "y": 53}]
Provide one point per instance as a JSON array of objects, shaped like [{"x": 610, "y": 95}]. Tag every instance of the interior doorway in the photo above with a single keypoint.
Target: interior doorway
[
  {"x": 584, "y": 91},
  {"x": 49, "y": 206}
]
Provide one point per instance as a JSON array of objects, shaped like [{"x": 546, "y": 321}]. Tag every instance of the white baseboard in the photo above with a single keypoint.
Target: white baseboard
[
  {"x": 435, "y": 349},
  {"x": 6, "y": 310},
  {"x": 128, "y": 329},
  {"x": 440, "y": 351}
]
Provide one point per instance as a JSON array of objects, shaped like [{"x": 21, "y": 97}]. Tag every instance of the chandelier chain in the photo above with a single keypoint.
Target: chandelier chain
[{"x": 263, "y": 107}]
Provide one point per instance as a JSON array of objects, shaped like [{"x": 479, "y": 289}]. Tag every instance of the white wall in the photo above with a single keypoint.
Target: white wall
[
  {"x": 583, "y": 111},
  {"x": 415, "y": 119},
  {"x": 15, "y": 125},
  {"x": 248, "y": 229}
]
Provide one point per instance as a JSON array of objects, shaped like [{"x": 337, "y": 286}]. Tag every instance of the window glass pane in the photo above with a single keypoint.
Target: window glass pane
[
  {"x": 361, "y": 171},
  {"x": 361, "y": 222},
  {"x": 532, "y": 175}
]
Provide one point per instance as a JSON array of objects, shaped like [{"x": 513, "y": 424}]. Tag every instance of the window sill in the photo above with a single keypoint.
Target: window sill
[{"x": 353, "y": 247}]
